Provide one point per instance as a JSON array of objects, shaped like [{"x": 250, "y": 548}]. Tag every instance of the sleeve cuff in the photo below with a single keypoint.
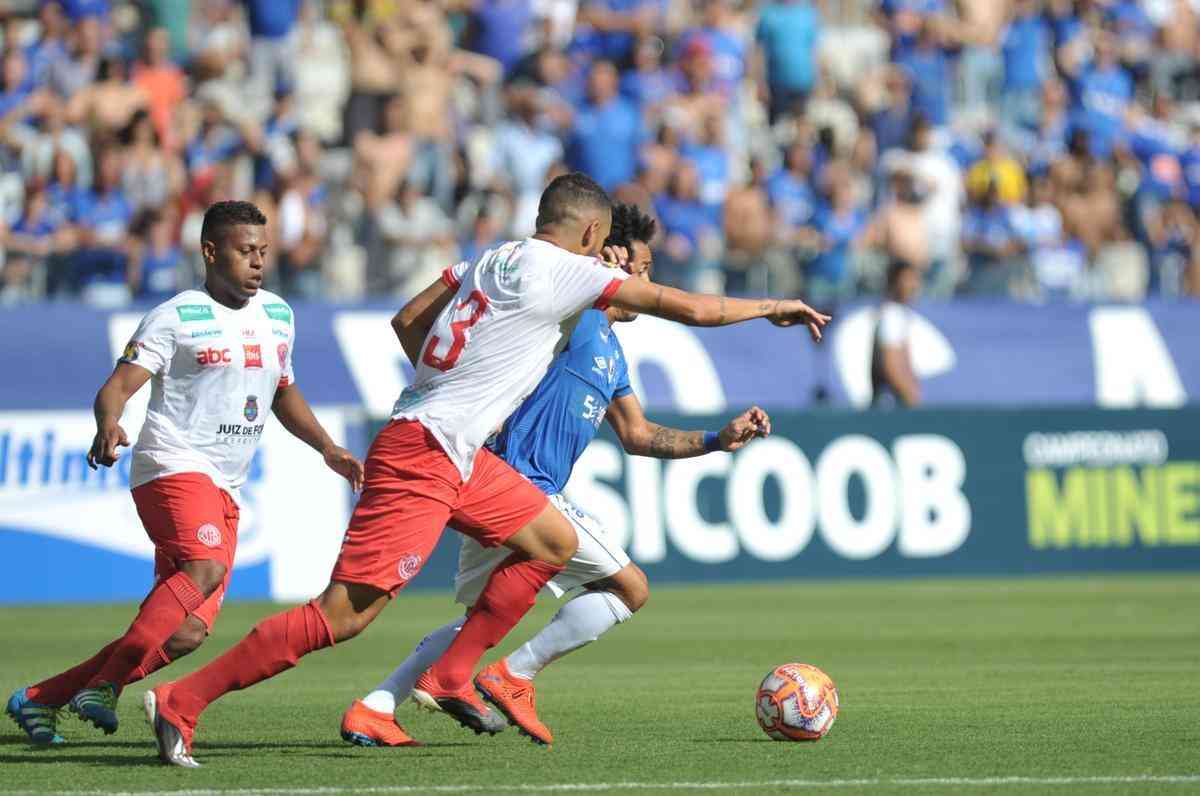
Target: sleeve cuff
[
  {"x": 607, "y": 294},
  {"x": 449, "y": 278}
]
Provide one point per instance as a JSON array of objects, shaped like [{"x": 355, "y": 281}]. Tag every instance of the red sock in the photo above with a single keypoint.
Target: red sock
[
  {"x": 155, "y": 659},
  {"x": 161, "y": 614},
  {"x": 508, "y": 596},
  {"x": 275, "y": 645},
  {"x": 61, "y": 687}
]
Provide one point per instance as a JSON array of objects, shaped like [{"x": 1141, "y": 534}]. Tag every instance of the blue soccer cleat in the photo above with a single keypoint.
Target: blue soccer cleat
[
  {"x": 97, "y": 706},
  {"x": 40, "y": 722}
]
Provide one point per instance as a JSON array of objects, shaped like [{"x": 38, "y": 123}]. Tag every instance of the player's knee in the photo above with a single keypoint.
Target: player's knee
[
  {"x": 631, "y": 587},
  {"x": 186, "y": 639},
  {"x": 207, "y": 575}
]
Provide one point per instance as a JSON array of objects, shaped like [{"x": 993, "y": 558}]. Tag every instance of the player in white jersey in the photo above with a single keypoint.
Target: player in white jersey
[
  {"x": 218, "y": 359},
  {"x": 484, "y": 335}
]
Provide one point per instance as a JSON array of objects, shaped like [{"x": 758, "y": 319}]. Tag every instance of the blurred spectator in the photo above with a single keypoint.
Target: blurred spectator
[
  {"x": 607, "y": 132},
  {"x": 1059, "y": 265},
  {"x": 162, "y": 82},
  {"x": 526, "y": 149},
  {"x": 607, "y": 28},
  {"x": 152, "y": 174},
  {"x": 420, "y": 239},
  {"x": 787, "y": 33},
  {"x": 102, "y": 218},
  {"x": 107, "y": 105},
  {"x": 999, "y": 167},
  {"x": 51, "y": 45},
  {"x": 928, "y": 64},
  {"x": 648, "y": 85},
  {"x": 992, "y": 243},
  {"x": 156, "y": 261},
  {"x": 893, "y": 379},
  {"x": 302, "y": 221},
  {"x": 748, "y": 235},
  {"x": 74, "y": 72},
  {"x": 690, "y": 245},
  {"x": 898, "y": 228},
  {"x": 272, "y": 46},
  {"x": 1100, "y": 96},
  {"x": 1026, "y": 47},
  {"x": 839, "y": 223}
]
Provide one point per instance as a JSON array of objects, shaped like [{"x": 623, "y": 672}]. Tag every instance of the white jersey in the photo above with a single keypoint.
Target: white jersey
[
  {"x": 215, "y": 372},
  {"x": 492, "y": 343}
]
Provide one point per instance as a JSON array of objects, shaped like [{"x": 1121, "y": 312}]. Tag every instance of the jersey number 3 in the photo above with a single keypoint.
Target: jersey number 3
[{"x": 465, "y": 315}]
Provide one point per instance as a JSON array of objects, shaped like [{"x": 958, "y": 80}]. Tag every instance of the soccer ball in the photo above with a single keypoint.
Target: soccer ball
[{"x": 796, "y": 702}]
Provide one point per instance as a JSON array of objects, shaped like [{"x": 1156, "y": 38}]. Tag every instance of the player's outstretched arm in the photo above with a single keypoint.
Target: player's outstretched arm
[
  {"x": 696, "y": 309},
  {"x": 641, "y": 437},
  {"x": 413, "y": 322},
  {"x": 297, "y": 417},
  {"x": 110, "y": 402}
]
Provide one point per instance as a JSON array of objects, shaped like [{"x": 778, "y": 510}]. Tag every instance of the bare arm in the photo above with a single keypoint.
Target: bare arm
[
  {"x": 641, "y": 437},
  {"x": 110, "y": 402},
  {"x": 413, "y": 322},
  {"x": 897, "y": 372},
  {"x": 297, "y": 417},
  {"x": 695, "y": 309}
]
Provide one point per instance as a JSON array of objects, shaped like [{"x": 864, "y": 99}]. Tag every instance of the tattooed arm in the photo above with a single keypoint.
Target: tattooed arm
[
  {"x": 696, "y": 309},
  {"x": 641, "y": 437}
]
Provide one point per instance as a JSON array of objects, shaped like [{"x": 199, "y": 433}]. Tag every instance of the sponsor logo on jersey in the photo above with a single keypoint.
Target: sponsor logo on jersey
[
  {"x": 130, "y": 354},
  {"x": 409, "y": 566},
  {"x": 214, "y": 356},
  {"x": 282, "y": 351},
  {"x": 236, "y": 431},
  {"x": 281, "y": 331},
  {"x": 201, "y": 333},
  {"x": 249, "y": 334},
  {"x": 605, "y": 368},
  {"x": 250, "y": 410},
  {"x": 253, "y": 354},
  {"x": 209, "y": 535},
  {"x": 195, "y": 312},
  {"x": 278, "y": 312}
]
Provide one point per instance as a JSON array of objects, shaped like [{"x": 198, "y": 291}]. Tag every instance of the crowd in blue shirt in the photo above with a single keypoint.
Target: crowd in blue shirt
[{"x": 1024, "y": 148}]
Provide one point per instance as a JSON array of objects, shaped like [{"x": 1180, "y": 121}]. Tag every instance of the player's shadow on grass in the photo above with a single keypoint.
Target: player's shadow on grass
[
  {"x": 36, "y": 755},
  {"x": 731, "y": 740}
]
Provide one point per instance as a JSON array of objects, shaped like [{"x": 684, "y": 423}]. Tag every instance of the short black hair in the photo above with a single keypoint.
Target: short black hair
[
  {"x": 229, "y": 214},
  {"x": 568, "y": 194},
  {"x": 629, "y": 223},
  {"x": 896, "y": 268}
]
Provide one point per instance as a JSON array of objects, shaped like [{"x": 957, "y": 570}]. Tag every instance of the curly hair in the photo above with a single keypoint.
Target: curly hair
[
  {"x": 629, "y": 223},
  {"x": 222, "y": 215}
]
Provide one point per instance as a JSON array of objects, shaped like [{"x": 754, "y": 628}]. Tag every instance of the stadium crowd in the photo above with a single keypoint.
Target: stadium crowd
[{"x": 1028, "y": 148}]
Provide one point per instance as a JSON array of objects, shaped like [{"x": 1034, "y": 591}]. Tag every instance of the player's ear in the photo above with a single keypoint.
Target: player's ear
[
  {"x": 208, "y": 250},
  {"x": 591, "y": 236}
]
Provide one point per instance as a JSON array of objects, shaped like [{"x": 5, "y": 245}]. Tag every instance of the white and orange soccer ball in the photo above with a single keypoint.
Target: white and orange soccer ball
[{"x": 796, "y": 702}]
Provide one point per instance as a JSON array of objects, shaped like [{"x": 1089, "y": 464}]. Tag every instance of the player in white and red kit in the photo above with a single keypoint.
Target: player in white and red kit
[
  {"x": 218, "y": 359},
  {"x": 484, "y": 336}
]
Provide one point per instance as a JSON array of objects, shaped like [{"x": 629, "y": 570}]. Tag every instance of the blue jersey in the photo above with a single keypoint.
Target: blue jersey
[{"x": 548, "y": 432}]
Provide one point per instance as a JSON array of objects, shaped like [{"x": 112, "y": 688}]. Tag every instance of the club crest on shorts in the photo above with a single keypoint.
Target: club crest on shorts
[
  {"x": 282, "y": 350},
  {"x": 409, "y": 566},
  {"x": 209, "y": 535},
  {"x": 250, "y": 410}
]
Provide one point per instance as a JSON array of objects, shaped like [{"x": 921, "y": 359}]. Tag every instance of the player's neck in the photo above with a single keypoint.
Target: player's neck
[
  {"x": 549, "y": 237},
  {"x": 224, "y": 297}
]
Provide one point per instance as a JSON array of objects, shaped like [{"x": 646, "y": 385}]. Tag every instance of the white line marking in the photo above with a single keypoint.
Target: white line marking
[{"x": 590, "y": 787}]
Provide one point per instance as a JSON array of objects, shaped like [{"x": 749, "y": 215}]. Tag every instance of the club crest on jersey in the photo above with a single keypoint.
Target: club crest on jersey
[
  {"x": 409, "y": 566},
  {"x": 282, "y": 351},
  {"x": 253, "y": 355},
  {"x": 250, "y": 410},
  {"x": 209, "y": 535},
  {"x": 604, "y": 367}
]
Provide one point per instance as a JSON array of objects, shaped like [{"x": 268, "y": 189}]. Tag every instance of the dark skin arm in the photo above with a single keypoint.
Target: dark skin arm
[
  {"x": 413, "y": 322},
  {"x": 297, "y": 417},
  {"x": 897, "y": 372},
  {"x": 641, "y": 437},
  {"x": 110, "y": 402}
]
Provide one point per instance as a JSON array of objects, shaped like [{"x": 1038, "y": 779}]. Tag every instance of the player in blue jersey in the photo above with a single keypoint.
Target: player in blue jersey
[{"x": 587, "y": 382}]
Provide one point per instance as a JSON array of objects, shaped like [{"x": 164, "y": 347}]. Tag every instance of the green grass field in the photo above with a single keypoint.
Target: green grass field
[{"x": 1015, "y": 686}]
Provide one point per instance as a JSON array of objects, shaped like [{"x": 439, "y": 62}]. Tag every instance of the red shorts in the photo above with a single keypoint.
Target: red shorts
[
  {"x": 189, "y": 519},
  {"x": 412, "y": 492}
]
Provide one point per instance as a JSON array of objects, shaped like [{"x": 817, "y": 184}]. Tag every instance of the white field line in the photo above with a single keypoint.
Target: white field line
[{"x": 597, "y": 787}]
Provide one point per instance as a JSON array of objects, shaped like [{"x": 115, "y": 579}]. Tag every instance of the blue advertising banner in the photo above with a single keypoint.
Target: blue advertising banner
[{"x": 975, "y": 353}]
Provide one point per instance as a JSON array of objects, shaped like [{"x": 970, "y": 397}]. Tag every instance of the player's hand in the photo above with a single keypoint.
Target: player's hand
[
  {"x": 793, "y": 312},
  {"x": 614, "y": 256},
  {"x": 104, "y": 446},
  {"x": 749, "y": 425},
  {"x": 343, "y": 462}
]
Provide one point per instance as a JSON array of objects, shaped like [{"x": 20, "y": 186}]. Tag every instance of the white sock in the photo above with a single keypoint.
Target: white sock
[
  {"x": 578, "y": 623},
  {"x": 399, "y": 684}
]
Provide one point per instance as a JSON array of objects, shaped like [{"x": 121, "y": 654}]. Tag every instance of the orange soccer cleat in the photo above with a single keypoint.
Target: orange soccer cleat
[
  {"x": 463, "y": 705},
  {"x": 515, "y": 698},
  {"x": 362, "y": 726}
]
